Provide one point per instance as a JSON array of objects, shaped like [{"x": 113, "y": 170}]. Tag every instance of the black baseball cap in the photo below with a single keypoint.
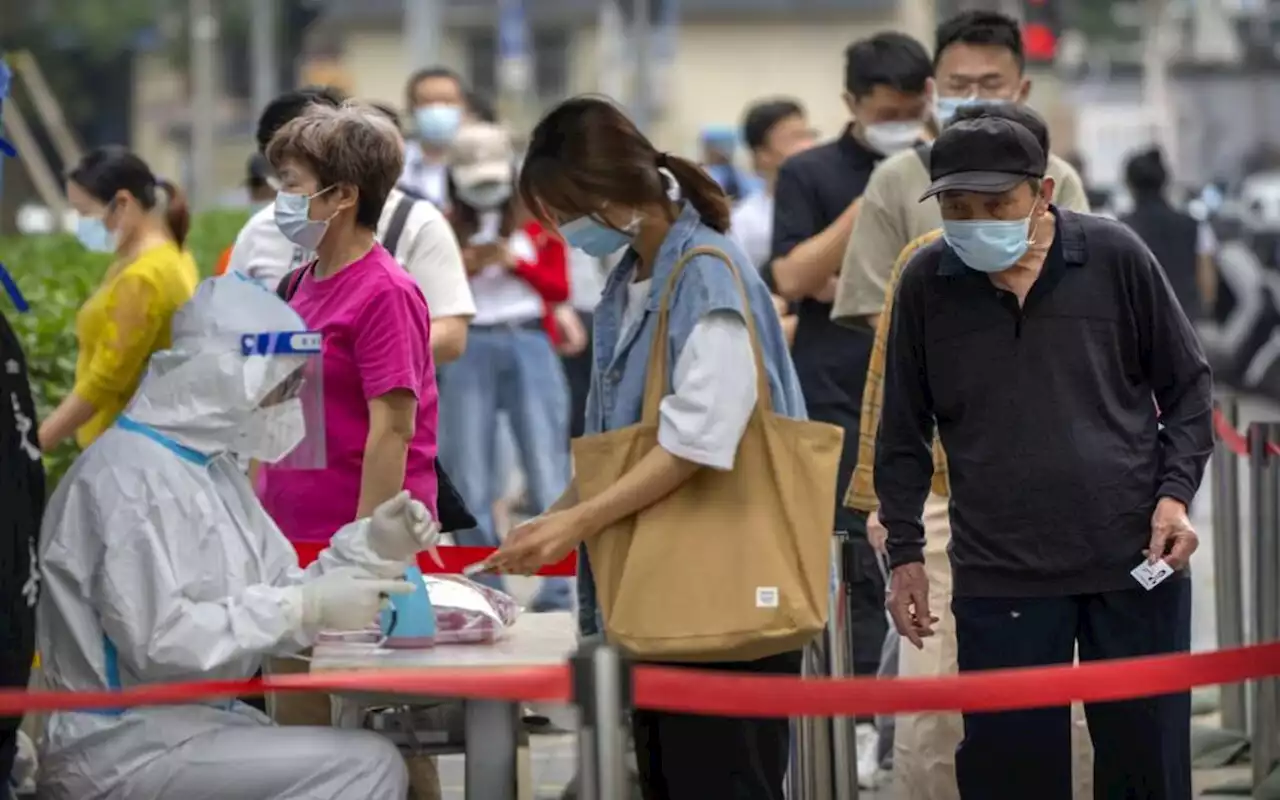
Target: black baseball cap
[{"x": 987, "y": 154}]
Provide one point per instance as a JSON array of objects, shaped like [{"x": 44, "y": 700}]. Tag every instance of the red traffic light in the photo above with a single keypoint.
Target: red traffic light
[{"x": 1039, "y": 41}]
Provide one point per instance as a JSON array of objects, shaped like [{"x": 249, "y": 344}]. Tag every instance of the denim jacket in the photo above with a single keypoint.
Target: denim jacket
[{"x": 618, "y": 373}]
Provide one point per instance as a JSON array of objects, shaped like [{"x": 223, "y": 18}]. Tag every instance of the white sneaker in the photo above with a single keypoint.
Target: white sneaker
[{"x": 868, "y": 744}]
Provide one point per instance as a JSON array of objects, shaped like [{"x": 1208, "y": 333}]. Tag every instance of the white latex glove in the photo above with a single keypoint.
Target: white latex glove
[
  {"x": 346, "y": 599},
  {"x": 401, "y": 528}
]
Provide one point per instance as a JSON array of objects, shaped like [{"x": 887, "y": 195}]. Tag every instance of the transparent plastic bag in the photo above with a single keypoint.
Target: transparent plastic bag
[{"x": 468, "y": 612}]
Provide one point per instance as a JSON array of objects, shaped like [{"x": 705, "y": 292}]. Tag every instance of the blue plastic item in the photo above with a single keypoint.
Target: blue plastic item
[
  {"x": 410, "y": 622},
  {"x": 5, "y": 76}
]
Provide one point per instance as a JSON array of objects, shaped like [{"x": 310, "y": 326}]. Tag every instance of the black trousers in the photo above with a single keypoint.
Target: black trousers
[
  {"x": 692, "y": 757},
  {"x": 1142, "y": 748}
]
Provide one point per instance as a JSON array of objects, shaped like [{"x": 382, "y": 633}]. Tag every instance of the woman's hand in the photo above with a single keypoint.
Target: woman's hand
[
  {"x": 473, "y": 260},
  {"x": 540, "y": 541},
  {"x": 573, "y": 334}
]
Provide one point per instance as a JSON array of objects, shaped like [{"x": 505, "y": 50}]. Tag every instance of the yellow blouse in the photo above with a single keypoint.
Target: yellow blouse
[{"x": 122, "y": 324}]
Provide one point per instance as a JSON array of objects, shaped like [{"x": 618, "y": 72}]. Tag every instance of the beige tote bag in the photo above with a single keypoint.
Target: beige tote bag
[{"x": 732, "y": 566}]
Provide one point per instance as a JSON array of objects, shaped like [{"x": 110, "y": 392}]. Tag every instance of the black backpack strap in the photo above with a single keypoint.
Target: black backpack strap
[
  {"x": 395, "y": 228},
  {"x": 288, "y": 285},
  {"x": 922, "y": 152}
]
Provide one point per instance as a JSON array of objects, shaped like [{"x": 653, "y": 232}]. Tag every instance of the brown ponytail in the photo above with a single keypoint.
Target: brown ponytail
[
  {"x": 700, "y": 189},
  {"x": 176, "y": 213}
]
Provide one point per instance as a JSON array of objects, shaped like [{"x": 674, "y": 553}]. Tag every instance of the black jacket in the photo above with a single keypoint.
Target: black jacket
[
  {"x": 22, "y": 502},
  {"x": 1172, "y": 237}
]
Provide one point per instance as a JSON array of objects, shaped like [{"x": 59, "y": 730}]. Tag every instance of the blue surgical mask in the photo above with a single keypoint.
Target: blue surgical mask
[
  {"x": 595, "y": 239},
  {"x": 93, "y": 234},
  {"x": 293, "y": 217},
  {"x": 945, "y": 108},
  {"x": 438, "y": 123},
  {"x": 988, "y": 245}
]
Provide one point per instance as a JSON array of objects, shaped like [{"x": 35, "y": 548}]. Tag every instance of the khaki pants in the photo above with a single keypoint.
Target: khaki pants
[
  {"x": 310, "y": 708},
  {"x": 924, "y": 745}
]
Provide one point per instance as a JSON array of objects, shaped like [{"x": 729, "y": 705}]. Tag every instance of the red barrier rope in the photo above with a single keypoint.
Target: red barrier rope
[
  {"x": 732, "y": 694},
  {"x": 454, "y": 558},
  {"x": 1235, "y": 441}
]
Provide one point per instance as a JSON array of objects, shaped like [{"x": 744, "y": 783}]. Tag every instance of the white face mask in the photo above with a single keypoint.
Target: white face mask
[
  {"x": 486, "y": 196},
  {"x": 273, "y": 432},
  {"x": 892, "y": 137}
]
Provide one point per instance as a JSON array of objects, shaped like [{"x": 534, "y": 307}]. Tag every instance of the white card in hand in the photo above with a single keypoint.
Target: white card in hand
[{"x": 1150, "y": 575}]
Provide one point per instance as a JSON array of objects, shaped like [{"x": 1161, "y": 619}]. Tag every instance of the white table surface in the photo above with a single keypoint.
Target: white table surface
[{"x": 535, "y": 640}]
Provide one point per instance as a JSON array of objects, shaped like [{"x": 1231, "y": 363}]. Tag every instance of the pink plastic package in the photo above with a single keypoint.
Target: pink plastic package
[{"x": 468, "y": 612}]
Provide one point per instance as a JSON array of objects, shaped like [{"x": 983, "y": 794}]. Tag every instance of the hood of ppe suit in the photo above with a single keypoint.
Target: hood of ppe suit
[{"x": 202, "y": 391}]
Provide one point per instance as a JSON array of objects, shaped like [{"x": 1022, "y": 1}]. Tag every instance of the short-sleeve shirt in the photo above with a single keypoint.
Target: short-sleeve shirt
[
  {"x": 892, "y": 216},
  {"x": 376, "y": 340}
]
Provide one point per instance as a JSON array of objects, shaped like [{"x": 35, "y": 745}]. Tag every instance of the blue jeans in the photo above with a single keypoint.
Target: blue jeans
[{"x": 513, "y": 370}]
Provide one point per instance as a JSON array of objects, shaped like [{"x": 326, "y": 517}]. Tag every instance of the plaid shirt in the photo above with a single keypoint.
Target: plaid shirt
[{"x": 862, "y": 489}]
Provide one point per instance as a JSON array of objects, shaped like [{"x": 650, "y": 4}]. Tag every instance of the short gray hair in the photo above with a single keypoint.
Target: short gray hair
[{"x": 353, "y": 144}]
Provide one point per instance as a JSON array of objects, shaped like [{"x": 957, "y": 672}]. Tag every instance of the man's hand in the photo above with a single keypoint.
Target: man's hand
[
  {"x": 1172, "y": 537},
  {"x": 877, "y": 534},
  {"x": 909, "y": 603}
]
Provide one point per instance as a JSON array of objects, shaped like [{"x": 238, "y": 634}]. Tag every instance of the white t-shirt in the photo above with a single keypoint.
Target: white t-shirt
[
  {"x": 752, "y": 227},
  {"x": 427, "y": 249},
  {"x": 713, "y": 389},
  {"x": 586, "y": 280},
  {"x": 429, "y": 179},
  {"x": 501, "y": 297}
]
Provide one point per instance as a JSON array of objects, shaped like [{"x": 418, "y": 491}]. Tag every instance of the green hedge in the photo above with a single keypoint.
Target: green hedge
[{"x": 56, "y": 275}]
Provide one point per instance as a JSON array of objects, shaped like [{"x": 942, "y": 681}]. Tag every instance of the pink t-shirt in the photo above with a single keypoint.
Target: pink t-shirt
[{"x": 376, "y": 339}]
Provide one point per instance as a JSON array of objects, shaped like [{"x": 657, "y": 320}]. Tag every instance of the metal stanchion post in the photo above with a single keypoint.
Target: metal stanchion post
[
  {"x": 812, "y": 765},
  {"x": 1265, "y": 484},
  {"x": 823, "y": 761},
  {"x": 844, "y": 762},
  {"x": 601, "y": 690},
  {"x": 1228, "y": 564}
]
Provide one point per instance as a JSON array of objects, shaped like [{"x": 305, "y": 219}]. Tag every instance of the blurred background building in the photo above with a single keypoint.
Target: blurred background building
[{"x": 182, "y": 81}]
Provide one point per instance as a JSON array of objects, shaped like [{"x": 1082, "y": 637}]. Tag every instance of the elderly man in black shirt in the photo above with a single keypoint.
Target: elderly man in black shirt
[{"x": 1074, "y": 402}]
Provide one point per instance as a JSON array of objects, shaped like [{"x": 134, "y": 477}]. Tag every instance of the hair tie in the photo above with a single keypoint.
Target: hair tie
[{"x": 669, "y": 184}]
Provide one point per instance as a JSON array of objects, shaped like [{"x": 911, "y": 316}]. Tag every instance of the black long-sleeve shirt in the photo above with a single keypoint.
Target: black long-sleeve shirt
[{"x": 1048, "y": 413}]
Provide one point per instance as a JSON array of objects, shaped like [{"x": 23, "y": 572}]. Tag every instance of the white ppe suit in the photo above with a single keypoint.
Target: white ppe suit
[{"x": 160, "y": 565}]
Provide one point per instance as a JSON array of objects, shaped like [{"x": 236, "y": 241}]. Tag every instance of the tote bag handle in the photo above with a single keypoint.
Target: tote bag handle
[{"x": 657, "y": 379}]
